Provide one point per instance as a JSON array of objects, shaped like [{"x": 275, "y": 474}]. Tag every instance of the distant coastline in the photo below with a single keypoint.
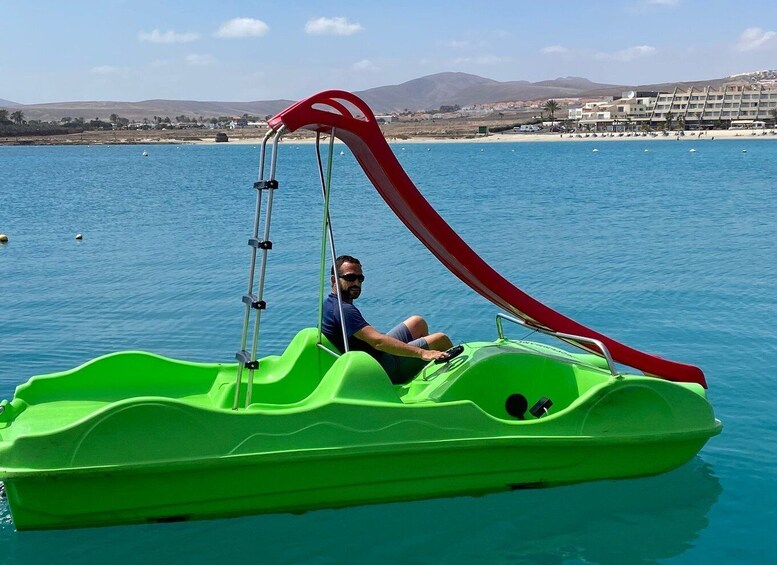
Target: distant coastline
[{"x": 441, "y": 107}]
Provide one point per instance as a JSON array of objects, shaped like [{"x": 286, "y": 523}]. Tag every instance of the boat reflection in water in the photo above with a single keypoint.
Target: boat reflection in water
[{"x": 628, "y": 521}]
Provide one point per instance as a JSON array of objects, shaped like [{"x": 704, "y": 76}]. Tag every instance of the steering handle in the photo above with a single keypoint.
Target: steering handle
[{"x": 449, "y": 354}]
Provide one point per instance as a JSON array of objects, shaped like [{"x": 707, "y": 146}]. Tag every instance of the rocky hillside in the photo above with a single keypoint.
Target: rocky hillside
[{"x": 423, "y": 93}]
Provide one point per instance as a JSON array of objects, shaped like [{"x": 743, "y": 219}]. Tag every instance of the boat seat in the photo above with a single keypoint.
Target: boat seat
[
  {"x": 356, "y": 376},
  {"x": 280, "y": 379}
]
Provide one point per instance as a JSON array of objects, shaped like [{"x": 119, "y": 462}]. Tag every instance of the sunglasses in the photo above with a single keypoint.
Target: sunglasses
[{"x": 352, "y": 278}]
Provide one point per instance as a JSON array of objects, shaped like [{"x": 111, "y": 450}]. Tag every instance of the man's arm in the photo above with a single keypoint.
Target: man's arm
[{"x": 388, "y": 344}]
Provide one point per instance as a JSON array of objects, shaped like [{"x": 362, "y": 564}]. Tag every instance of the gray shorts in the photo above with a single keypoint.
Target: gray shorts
[{"x": 401, "y": 369}]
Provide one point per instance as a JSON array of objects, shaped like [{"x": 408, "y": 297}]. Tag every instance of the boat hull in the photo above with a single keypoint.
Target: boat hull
[
  {"x": 327, "y": 478},
  {"x": 133, "y": 437}
]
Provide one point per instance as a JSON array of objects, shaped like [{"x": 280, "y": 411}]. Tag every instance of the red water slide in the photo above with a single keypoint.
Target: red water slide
[{"x": 354, "y": 123}]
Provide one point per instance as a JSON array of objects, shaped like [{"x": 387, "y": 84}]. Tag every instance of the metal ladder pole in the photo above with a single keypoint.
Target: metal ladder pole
[
  {"x": 242, "y": 356},
  {"x": 326, "y": 185},
  {"x": 265, "y": 245}
]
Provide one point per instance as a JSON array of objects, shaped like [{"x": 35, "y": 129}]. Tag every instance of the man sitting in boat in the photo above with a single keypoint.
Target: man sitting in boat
[{"x": 402, "y": 352}]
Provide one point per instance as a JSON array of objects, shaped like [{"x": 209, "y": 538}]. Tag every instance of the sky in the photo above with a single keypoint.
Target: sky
[{"x": 244, "y": 50}]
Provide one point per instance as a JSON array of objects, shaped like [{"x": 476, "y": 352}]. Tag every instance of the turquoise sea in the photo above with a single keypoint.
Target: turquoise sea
[{"x": 666, "y": 250}]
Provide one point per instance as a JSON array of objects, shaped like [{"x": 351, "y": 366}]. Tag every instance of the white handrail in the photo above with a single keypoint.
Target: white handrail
[{"x": 562, "y": 336}]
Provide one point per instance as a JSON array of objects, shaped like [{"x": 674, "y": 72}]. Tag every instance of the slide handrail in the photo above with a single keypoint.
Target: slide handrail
[
  {"x": 354, "y": 123},
  {"x": 575, "y": 339}
]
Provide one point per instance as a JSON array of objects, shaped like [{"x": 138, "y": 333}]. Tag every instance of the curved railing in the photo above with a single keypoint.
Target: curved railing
[{"x": 354, "y": 123}]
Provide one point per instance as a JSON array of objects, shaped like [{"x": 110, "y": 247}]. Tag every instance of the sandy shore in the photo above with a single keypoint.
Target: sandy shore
[
  {"x": 254, "y": 137},
  {"x": 550, "y": 137},
  {"x": 672, "y": 136}
]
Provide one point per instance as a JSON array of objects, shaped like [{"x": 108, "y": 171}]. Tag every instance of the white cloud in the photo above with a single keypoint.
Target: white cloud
[
  {"x": 755, "y": 38},
  {"x": 196, "y": 60},
  {"x": 331, "y": 26},
  {"x": 365, "y": 65},
  {"x": 643, "y": 6},
  {"x": 456, "y": 44},
  {"x": 482, "y": 60},
  {"x": 463, "y": 44},
  {"x": 555, "y": 49},
  {"x": 624, "y": 55},
  {"x": 105, "y": 70},
  {"x": 242, "y": 27},
  {"x": 170, "y": 36},
  {"x": 627, "y": 54}
]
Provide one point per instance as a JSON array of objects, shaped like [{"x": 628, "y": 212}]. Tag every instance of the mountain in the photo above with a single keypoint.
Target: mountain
[
  {"x": 425, "y": 93},
  {"x": 149, "y": 108},
  {"x": 432, "y": 91},
  {"x": 576, "y": 83}
]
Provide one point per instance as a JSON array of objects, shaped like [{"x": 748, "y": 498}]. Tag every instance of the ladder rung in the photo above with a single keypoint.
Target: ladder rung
[{"x": 257, "y": 243}]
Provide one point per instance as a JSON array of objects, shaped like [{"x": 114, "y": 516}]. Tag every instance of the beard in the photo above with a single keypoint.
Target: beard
[{"x": 352, "y": 292}]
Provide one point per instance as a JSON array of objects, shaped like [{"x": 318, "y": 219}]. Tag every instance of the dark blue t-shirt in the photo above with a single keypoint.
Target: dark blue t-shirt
[{"x": 354, "y": 321}]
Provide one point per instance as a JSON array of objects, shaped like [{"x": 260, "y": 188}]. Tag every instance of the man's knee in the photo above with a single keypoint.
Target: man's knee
[
  {"x": 417, "y": 326},
  {"x": 439, "y": 341}
]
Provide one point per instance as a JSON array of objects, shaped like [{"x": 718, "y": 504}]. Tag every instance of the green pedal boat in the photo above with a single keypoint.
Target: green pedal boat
[{"x": 133, "y": 437}]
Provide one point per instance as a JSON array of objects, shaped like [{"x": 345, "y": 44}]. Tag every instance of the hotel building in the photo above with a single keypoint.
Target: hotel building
[{"x": 734, "y": 105}]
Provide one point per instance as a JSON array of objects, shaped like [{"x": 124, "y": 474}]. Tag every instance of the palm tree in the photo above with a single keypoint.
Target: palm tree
[
  {"x": 18, "y": 117},
  {"x": 772, "y": 113},
  {"x": 551, "y": 106},
  {"x": 3, "y": 116},
  {"x": 669, "y": 117}
]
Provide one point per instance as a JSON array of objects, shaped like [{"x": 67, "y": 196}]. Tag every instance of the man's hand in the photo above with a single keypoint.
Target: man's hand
[{"x": 431, "y": 355}]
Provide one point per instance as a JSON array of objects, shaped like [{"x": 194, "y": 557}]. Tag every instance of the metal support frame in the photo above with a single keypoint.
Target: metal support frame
[
  {"x": 327, "y": 234},
  {"x": 577, "y": 339}
]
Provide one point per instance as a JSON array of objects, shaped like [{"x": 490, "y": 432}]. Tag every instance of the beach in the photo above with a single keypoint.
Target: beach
[
  {"x": 590, "y": 137},
  {"x": 392, "y": 135}
]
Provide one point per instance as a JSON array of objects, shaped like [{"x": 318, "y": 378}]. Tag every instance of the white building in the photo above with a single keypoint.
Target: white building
[
  {"x": 706, "y": 107},
  {"x": 692, "y": 107}
]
